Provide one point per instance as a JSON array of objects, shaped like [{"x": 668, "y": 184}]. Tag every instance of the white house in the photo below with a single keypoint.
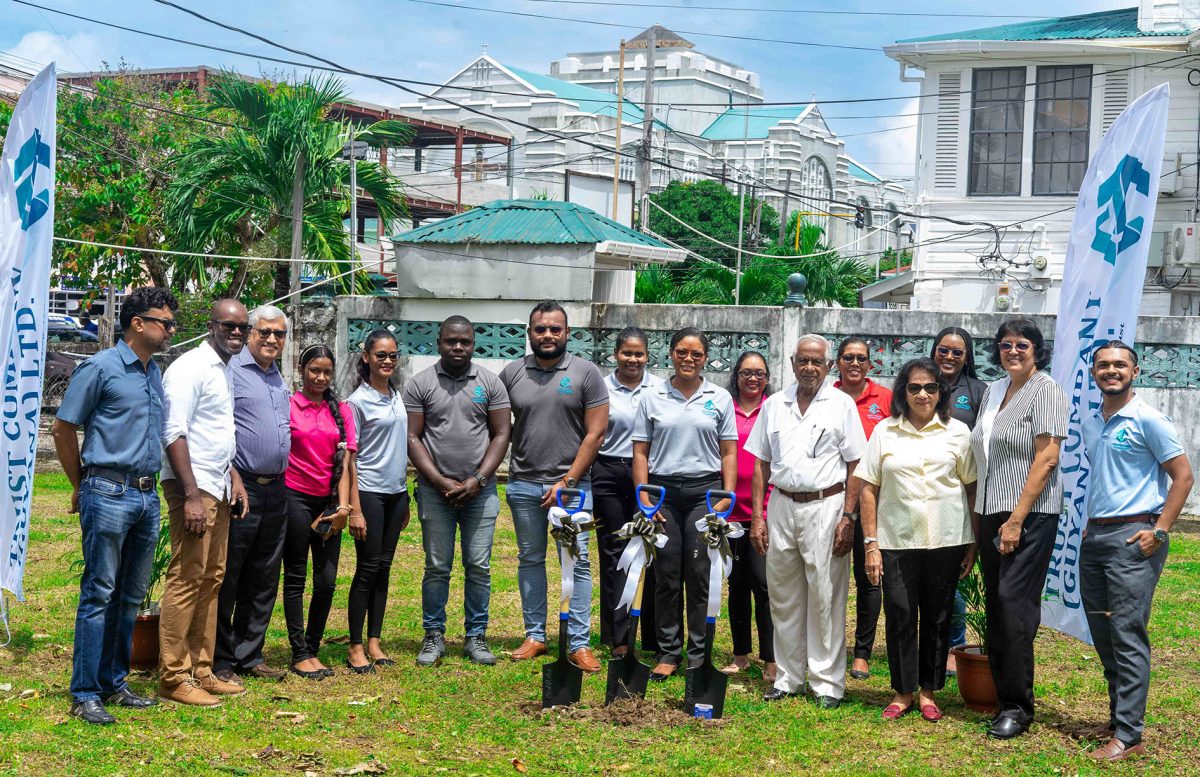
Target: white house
[{"x": 1009, "y": 117}]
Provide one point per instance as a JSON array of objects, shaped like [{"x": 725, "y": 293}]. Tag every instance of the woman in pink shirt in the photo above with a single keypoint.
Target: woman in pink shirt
[
  {"x": 749, "y": 385},
  {"x": 320, "y": 486}
]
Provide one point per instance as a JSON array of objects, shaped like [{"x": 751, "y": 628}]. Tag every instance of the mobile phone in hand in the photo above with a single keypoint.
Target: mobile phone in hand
[{"x": 237, "y": 509}]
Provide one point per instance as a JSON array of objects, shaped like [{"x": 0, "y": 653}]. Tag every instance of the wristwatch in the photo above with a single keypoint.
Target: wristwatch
[
  {"x": 570, "y": 482},
  {"x": 850, "y": 515},
  {"x": 1161, "y": 535},
  {"x": 870, "y": 541},
  {"x": 482, "y": 480}
]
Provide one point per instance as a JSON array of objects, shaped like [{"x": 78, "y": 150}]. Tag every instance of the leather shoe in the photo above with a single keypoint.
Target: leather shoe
[
  {"x": 1007, "y": 728},
  {"x": 777, "y": 694},
  {"x": 662, "y": 671},
  {"x": 127, "y": 698},
  {"x": 264, "y": 672},
  {"x": 92, "y": 711},
  {"x": 895, "y": 711},
  {"x": 828, "y": 702},
  {"x": 228, "y": 676},
  {"x": 584, "y": 659},
  {"x": 530, "y": 648},
  {"x": 1116, "y": 750},
  {"x": 931, "y": 713},
  {"x": 221, "y": 687}
]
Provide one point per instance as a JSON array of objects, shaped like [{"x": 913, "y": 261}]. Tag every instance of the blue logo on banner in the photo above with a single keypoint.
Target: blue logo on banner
[
  {"x": 564, "y": 386},
  {"x": 479, "y": 396},
  {"x": 32, "y": 206},
  {"x": 963, "y": 402},
  {"x": 1110, "y": 196}
]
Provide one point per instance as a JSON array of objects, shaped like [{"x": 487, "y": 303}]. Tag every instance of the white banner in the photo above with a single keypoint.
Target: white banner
[
  {"x": 26, "y": 234},
  {"x": 1101, "y": 292}
]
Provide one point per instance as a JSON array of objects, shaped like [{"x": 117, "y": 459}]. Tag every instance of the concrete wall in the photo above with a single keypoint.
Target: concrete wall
[{"x": 509, "y": 271}]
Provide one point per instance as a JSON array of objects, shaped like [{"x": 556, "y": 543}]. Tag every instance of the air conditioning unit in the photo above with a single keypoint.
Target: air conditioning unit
[{"x": 1182, "y": 246}]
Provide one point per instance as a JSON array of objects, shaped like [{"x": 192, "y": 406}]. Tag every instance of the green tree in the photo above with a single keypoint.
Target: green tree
[
  {"x": 233, "y": 189},
  {"x": 711, "y": 208}
]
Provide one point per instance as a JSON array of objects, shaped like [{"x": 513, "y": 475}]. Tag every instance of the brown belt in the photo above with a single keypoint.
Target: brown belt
[
  {"x": 812, "y": 496},
  {"x": 1143, "y": 518}
]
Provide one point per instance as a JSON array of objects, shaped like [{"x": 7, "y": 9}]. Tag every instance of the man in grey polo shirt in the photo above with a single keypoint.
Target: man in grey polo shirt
[
  {"x": 560, "y": 404},
  {"x": 458, "y": 432}
]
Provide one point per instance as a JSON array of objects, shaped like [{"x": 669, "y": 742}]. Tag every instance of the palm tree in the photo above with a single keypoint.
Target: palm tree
[{"x": 233, "y": 188}]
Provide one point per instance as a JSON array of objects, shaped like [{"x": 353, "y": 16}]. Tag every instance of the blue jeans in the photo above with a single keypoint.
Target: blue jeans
[
  {"x": 439, "y": 519},
  {"x": 530, "y": 521},
  {"x": 120, "y": 529}
]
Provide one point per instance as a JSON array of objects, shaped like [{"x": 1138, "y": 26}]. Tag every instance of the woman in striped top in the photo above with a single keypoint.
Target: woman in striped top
[{"x": 1019, "y": 497}]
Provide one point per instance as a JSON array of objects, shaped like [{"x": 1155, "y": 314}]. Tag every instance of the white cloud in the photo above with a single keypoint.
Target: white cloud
[
  {"x": 894, "y": 153},
  {"x": 78, "y": 52}
]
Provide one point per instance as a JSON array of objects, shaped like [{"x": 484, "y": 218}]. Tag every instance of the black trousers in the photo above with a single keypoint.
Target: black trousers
[
  {"x": 868, "y": 600},
  {"x": 386, "y": 515},
  {"x": 682, "y": 566},
  {"x": 1013, "y": 586},
  {"x": 918, "y": 600},
  {"x": 748, "y": 583},
  {"x": 301, "y": 541},
  {"x": 614, "y": 505},
  {"x": 247, "y": 596}
]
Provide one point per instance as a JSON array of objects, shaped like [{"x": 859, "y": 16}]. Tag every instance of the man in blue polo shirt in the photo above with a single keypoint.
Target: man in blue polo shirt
[
  {"x": 1135, "y": 453},
  {"x": 117, "y": 397}
]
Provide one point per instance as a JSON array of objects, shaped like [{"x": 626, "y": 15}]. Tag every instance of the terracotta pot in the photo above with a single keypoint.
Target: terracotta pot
[
  {"x": 975, "y": 678},
  {"x": 144, "y": 654}
]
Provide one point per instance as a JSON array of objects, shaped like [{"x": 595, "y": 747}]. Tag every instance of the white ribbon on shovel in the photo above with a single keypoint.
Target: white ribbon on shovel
[
  {"x": 566, "y": 529},
  {"x": 715, "y": 532},
  {"x": 645, "y": 535}
]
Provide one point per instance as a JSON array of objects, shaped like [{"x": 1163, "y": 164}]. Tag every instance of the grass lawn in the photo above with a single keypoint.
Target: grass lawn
[{"x": 465, "y": 719}]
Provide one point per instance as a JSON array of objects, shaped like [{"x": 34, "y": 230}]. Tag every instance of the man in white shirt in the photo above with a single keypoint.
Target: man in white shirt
[
  {"x": 201, "y": 486},
  {"x": 808, "y": 440}
]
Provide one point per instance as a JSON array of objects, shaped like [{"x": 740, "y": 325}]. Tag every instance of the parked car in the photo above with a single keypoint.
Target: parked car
[{"x": 65, "y": 333}]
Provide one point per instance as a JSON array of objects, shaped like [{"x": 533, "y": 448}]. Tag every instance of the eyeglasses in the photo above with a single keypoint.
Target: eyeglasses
[
  {"x": 267, "y": 334},
  {"x": 1021, "y": 347},
  {"x": 387, "y": 356},
  {"x": 929, "y": 388},
  {"x": 850, "y": 358},
  {"x": 233, "y": 326},
  {"x": 693, "y": 355},
  {"x": 748, "y": 374},
  {"x": 957, "y": 353},
  {"x": 553, "y": 329},
  {"x": 804, "y": 362},
  {"x": 168, "y": 324}
]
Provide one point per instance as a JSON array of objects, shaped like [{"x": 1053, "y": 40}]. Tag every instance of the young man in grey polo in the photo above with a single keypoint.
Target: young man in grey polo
[
  {"x": 1134, "y": 450},
  {"x": 560, "y": 404},
  {"x": 458, "y": 432}
]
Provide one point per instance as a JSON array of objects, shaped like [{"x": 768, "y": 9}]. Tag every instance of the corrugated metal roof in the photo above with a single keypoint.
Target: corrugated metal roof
[
  {"x": 590, "y": 100},
  {"x": 538, "y": 222},
  {"x": 731, "y": 125},
  {"x": 1121, "y": 23}
]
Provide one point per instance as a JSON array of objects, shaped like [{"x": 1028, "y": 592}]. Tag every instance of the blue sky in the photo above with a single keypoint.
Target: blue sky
[{"x": 425, "y": 42}]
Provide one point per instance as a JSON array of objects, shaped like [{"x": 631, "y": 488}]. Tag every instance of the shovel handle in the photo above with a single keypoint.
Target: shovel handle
[
  {"x": 571, "y": 493},
  {"x": 708, "y": 499},
  {"x": 641, "y": 488}
]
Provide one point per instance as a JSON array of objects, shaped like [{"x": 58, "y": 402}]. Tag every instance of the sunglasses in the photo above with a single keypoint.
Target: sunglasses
[
  {"x": 1020, "y": 347},
  {"x": 168, "y": 324},
  {"x": 233, "y": 326},
  {"x": 694, "y": 355},
  {"x": 267, "y": 334},
  {"x": 929, "y": 388},
  {"x": 542, "y": 329},
  {"x": 748, "y": 374},
  {"x": 850, "y": 358},
  {"x": 957, "y": 353},
  {"x": 387, "y": 356}
]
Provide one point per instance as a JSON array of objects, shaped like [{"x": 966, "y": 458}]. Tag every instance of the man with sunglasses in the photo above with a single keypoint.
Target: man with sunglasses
[
  {"x": 560, "y": 406},
  {"x": 200, "y": 485},
  {"x": 117, "y": 397},
  {"x": 255, "y": 548}
]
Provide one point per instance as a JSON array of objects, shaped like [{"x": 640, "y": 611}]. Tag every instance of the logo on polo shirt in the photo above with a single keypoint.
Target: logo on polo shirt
[
  {"x": 479, "y": 396},
  {"x": 564, "y": 386},
  {"x": 874, "y": 413},
  {"x": 710, "y": 409},
  {"x": 963, "y": 402},
  {"x": 1121, "y": 440}
]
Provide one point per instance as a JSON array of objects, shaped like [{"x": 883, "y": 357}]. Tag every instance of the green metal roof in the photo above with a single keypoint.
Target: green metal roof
[
  {"x": 539, "y": 222},
  {"x": 862, "y": 174},
  {"x": 1121, "y": 23},
  {"x": 589, "y": 99},
  {"x": 732, "y": 125}
]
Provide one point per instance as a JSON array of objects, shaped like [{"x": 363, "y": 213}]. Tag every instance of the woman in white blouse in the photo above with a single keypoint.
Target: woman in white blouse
[{"x": 918, "y": 486}]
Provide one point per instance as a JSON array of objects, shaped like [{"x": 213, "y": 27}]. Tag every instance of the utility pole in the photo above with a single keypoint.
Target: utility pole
[
  {"x": 783, "y": 215},
  {"x": 647, "y": 130},
  {"x": 616, "y": 207},
  {"x": 297, "y": 229},
  {"x": 737, "y": 278}
]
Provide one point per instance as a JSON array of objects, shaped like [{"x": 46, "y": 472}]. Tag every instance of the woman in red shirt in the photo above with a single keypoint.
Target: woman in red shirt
[
  {"x": 873, "y": 402},
  {"x": 750, "y": 384}
]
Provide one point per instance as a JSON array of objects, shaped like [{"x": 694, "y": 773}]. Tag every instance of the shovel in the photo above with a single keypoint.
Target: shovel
[
  {"x": 562, "y": 681},
  {"x": 704, "y": 685},
  {"x": 627, "y": 677}
]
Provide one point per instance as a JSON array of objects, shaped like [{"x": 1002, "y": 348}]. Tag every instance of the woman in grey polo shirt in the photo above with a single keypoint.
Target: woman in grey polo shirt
[
  {"x": 1018, "y": 500},
  {"x": 685, "y": 440},
  {"x": 382, "y": 467}
]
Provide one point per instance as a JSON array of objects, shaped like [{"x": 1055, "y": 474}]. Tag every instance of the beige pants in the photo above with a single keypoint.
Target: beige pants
[
  {"x": 187, "y": 629},
  {"x": 809, "y": 588}
]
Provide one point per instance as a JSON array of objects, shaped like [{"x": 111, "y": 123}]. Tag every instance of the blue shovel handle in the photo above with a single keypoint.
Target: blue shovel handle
[
  {"x": 651, "y": 511},
  {"x": 571, "y": 492},
  {"x": 708, "y": 499}
]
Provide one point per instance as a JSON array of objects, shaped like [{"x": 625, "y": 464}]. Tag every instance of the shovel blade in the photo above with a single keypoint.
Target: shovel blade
[
  {"x": 562, "y": 683},
  {"x": 627, "y": 679},
  {"x": 704, "y": 691}
]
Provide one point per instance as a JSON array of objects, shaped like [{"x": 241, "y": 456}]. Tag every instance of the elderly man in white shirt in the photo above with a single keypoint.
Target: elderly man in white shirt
[
  {"x": 203, "y": 491},
  {"x": 808, "y": 440}
]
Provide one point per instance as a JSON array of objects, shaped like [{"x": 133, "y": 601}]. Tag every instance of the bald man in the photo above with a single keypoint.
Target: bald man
[{"x": 203, "y": 491}]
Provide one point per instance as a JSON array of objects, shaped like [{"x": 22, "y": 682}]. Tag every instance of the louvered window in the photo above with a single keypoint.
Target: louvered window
[
  {"x": 1116, "y": 98},
  {"x": 997, "y": 126},
  {"x": 1060, "y": 129},
  {"x": 949, "y": 120}
]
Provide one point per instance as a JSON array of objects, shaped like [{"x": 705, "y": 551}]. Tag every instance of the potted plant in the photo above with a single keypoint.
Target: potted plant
[
  {"x": 974, "y": 673},
  {"x": 144, "y": 654}
]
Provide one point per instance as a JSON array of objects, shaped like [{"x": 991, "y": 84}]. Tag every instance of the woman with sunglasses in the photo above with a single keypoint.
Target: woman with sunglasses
[
  {"x": 918, "y": 481},
  {"x": 381, "y": 469},
  {"x": 750, "y": 384},
  {"x": 1016, "y": 445},
  {"x": 684, "y": 440},
  {"x": 873, "y": 402}
]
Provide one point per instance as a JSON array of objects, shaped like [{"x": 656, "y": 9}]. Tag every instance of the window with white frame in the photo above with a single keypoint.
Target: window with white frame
[
  {"x": 997, "y": 127},
  {"x": 1062, "y": 114},
  {"x": 816, "y": 190}
]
